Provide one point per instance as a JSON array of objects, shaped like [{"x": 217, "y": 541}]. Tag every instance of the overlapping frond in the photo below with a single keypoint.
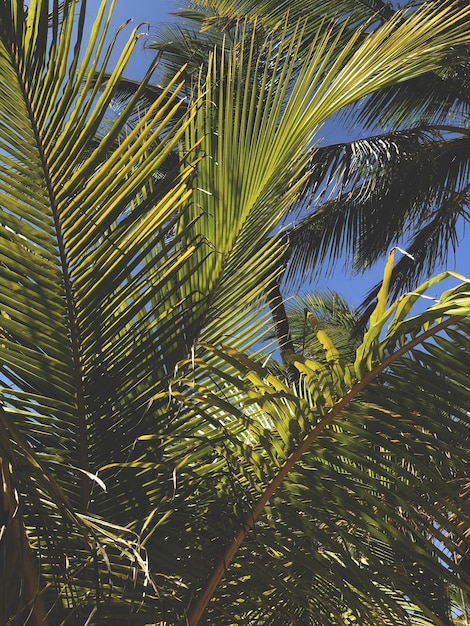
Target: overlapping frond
[
  {"x": 441, "y": 97},
  {"x": 261, "y": 120},
  {"x": 117, "y": 485},
  {"x": 409, "y": 187},
  {"x": 88, "y": 250},
  {"x": 322, "y": 483},
  {"x": 210, "y": 24}
]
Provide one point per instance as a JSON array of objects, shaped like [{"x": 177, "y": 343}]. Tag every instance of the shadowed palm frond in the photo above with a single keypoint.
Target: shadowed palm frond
[
  {"x": 368, "y": 195},
  {"x": 210, "y": 23},
  {"x": 437, "y": 98},
  {"x": 79, "y": 278},
  {"x": 322, "y": 483},
  {"x": 408, "y": 187}
]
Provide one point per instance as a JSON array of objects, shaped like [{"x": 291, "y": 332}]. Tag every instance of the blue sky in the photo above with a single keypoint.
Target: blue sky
[{"x": 353, "y": 288}]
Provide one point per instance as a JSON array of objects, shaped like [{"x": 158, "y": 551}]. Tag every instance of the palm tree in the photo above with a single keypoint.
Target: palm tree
[
  {"x": 363, "y": 196},
  {"x": 334, "y": 499},
  {"x": 133, "y": 447}
]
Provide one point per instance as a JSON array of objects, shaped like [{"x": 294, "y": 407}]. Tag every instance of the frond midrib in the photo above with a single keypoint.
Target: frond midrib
[{"x": 70, "y": 313}]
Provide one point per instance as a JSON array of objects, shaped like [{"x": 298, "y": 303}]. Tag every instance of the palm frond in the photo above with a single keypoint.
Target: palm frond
[
  {"x": 80, "y": 276},
  {"x": 326, "y": 476},
  {"x": 436, "y": 98},
  {"x": 398, "y": 189},
  {"x": 209, "y": 25},
  {"x": 323, "y": 310}
]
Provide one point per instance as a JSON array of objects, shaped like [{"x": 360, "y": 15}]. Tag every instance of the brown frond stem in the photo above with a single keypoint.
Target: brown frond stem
[{"x": 196, "y": 611}]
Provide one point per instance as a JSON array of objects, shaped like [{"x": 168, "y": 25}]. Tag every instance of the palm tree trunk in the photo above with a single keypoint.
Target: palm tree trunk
[{"x": 282, "y": 329}]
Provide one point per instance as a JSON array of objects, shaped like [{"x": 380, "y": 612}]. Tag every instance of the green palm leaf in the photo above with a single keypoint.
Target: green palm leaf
[
  {"x": 113, "y": 265},
  {"x": 330, "y": 478},
  {"x": 81, "y": 281}
]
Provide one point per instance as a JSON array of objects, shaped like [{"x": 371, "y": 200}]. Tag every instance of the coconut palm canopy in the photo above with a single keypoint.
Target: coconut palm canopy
[
  {"x": 406, "y": 186},
  {"x": 152, "y": 471}
]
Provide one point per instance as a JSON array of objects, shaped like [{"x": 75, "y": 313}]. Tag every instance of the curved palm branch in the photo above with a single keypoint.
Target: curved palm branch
[{"x": 333, "y": 487}]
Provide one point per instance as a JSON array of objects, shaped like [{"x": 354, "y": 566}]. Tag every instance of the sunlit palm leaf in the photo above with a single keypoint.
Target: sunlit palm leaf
[
  {"x": 85, "y": 257},
  {"x": 384, "y": 185},
  {"x": 365, "y": 445}
]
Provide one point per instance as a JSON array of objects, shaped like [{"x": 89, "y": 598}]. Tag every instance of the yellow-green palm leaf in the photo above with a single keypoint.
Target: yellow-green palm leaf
[
  {"x": 86, "y": 338},
  {"x": 345, "y": 496},
  {"x": 112, "y": 268}
]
